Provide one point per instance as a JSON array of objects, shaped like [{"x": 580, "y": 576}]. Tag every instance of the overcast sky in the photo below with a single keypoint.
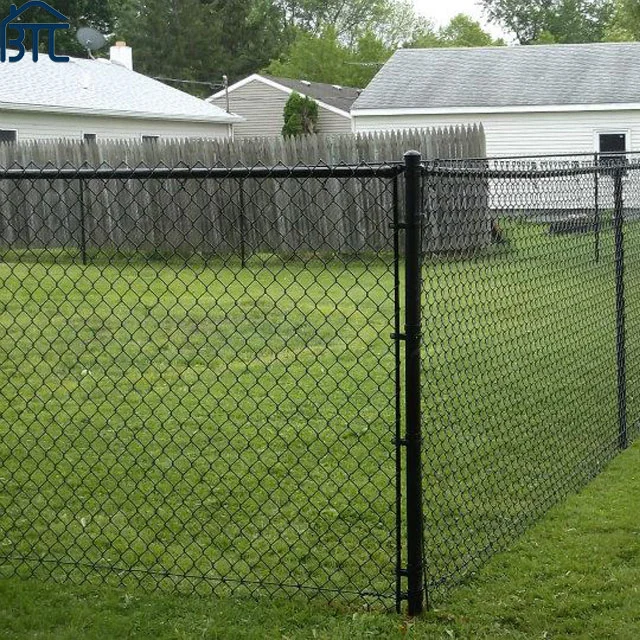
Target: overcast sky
[{"x": 441, "y": 11}]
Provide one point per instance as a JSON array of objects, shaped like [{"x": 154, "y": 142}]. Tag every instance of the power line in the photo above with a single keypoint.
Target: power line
[{"x": 212, "y": 85}]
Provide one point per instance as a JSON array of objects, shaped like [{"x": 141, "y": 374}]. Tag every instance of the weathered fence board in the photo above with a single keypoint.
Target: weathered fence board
[{"x": 210, "y": 216}]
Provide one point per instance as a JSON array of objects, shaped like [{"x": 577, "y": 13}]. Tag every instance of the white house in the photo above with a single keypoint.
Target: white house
[
  {"x": 261, "y": 99},
  {"x": 95, "y": 99},
  {"x": 531, "y": 100}
]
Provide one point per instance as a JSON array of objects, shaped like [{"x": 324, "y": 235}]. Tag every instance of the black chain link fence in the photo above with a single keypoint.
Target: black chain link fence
[
  {"x": 525, "y": 375},
  {"x": 198, "y": 381},
  {"x": 256, "y": 380}
]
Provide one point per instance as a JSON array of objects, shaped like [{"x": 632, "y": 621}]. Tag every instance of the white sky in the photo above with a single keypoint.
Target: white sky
[{"x": 441, "y": 11}]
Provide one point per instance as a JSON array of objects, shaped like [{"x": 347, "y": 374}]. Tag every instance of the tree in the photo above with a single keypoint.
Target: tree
[
  {"x": 365, "y": 62},
  {"x": 300, "y": 116},
  {"x": 349, "y": 18},
  {"x": 201, "y": 40},
  {"x": 462, "y": 31},
  {"x": 315, "y": 58},
  {"x": 324, "y": 58},
  {"x": 400, "y": 24},
  {"x": 563, "y": 21},
  {"x": 624, "y": 25}
]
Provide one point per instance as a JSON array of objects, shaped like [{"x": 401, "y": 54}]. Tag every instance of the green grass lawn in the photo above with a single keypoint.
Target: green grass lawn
[
  {"x": 574, "y": 575},
  {"x": 197, "y": 426},
  {"x": 197, "y": 420}
]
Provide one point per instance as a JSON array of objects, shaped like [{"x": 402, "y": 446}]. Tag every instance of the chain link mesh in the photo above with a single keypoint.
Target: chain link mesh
[
  {"x": 197, "y": 382},
  {"x": 521, "y": 387},
  {"x": 201, "y": 368}
]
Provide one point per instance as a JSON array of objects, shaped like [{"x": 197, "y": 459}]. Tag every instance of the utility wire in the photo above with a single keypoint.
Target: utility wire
[{"x": 213, "y": 85}]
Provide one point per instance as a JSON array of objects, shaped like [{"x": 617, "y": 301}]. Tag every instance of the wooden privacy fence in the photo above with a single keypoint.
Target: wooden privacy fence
[{"x": 216, "y": 216}]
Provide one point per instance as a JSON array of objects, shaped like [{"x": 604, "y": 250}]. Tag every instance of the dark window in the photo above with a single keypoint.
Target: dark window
[
  {"x": 90, "y": 137},
  {"x": 150, "y": 138},
  {"x": 612, "y": 148},
  {"x": 613, "y": 142},
  {"x": 8, "y": 136}
]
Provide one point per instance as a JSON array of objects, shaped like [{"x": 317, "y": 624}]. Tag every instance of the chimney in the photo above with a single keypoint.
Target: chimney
[{"x": 121, "y": 54}]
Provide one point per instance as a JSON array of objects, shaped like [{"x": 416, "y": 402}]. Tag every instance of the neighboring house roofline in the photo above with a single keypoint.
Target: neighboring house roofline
[
  {"x": 280, "y": 87},
  {"x": 102, "y": 88},
  {"x": 552, "y": 108},
  {"x": 499, "y": 79},
  {"x": 140, "y": 115}
]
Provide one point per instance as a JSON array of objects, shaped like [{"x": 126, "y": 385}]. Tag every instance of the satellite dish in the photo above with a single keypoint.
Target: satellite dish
[{"x": 90, "y": 39}]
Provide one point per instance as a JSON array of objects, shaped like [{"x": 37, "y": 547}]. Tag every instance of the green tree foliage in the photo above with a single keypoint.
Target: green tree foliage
[
  {"x": 624, "y": 25},
  {"x": 324, "y": 58},
  {"x": 462, "y": 31},
  {"x": 201, "y": 40},
  {"x": 300, "y": 116},
  {"x": 562, "y": 21},
  {"x": 401, "y": 24},
  {"x": 350, "y": 19}
]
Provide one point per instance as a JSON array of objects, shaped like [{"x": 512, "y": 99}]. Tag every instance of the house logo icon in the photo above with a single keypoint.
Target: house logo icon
[{"x": 11, "y": 23}]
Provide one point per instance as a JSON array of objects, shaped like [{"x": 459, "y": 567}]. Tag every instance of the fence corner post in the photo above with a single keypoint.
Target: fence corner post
[{"x": 413, "y": 365}]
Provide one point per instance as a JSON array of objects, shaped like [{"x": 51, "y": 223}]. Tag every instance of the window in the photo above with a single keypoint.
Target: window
[
  {"x": 613, "y": 143},
  {"x": 612, "y": 147},
  {"x": 150, "y": 138},
  {"x": 90, "y": 137},
  {"x": 7, "y": 135}
]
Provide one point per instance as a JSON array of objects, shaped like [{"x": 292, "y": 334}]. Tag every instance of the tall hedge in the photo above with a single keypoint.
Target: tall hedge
[{"x": 300, "y": 116}]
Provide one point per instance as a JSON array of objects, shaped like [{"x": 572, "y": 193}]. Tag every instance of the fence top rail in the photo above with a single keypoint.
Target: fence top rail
[
  {"x": 473, "y": 170},
  {"x": 123, "y": 172},
  {"x": 584, "y": 156}
]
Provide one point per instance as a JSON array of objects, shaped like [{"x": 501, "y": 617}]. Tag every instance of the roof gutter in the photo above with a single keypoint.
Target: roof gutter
[{"x": 471, "y": 110}]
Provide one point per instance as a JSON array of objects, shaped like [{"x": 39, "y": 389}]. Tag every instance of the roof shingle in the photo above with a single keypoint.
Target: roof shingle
[
  {"x": 98, "y": 87},
  {"x": 340, "y": 97},
  {"x": 540, "y": 75}
]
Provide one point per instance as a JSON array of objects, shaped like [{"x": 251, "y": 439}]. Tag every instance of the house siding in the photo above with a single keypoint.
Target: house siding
[
  {"x": 524, "y": 133},
  {"x": 48, "y": 126},
  {"x": 262, "y": 106}
]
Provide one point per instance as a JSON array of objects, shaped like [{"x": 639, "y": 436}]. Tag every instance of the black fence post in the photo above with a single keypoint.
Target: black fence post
[
  {"x": 83, "y": 228},
  {"x": 618, "y": 220},
  {"x": 398, "y": 356},
  {"x": 596, "y": 221},
  {"x": 413, "y": 409}
]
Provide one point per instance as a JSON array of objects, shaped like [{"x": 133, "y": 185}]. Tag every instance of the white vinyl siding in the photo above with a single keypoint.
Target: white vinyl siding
[
  {"x": 524, "y": 133},
  {"x": 262, "y": 107},
  {"x": 48, "y": 126},
  {"x": 329, "y": 122}
]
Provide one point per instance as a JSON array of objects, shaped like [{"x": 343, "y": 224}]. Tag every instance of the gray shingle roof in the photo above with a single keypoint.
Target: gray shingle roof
[
  {"x": 507, "y": 76},
  {"x": 339, "y": 97},
  {"x": 97, "y": 87}
]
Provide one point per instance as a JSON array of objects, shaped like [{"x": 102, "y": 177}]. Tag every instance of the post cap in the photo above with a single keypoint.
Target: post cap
[{"x": 413, "y": 158}]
